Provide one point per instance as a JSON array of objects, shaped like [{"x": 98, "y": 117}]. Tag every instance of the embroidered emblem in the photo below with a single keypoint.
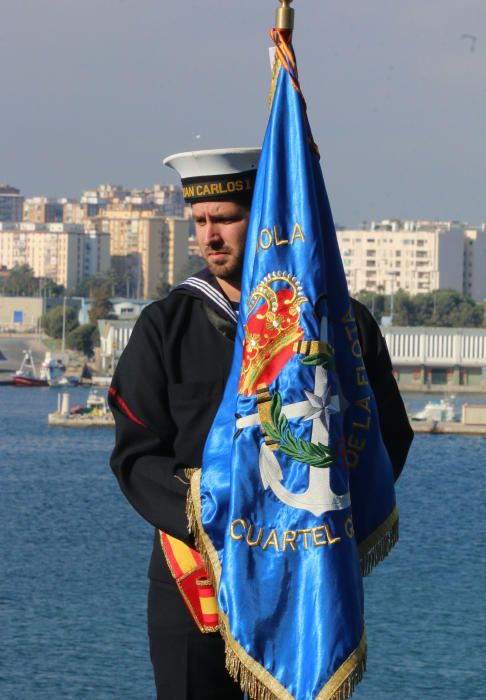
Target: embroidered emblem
[
  {"x": 271, "y": 330},
  {"x": 301, "y": 450},
  {"x": 273, "y": 415}
]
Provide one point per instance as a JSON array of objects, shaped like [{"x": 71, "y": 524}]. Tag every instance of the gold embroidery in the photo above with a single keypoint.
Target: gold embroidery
[
  {"x": 254, "y": 679},
  {"x": 349, "y": 527},
  {"x": 317, "y": 535},
  {"x": 330, "y": 538},
  {"x": 249, "y": 541},
  {"x": 361, "y": 378},
  {"x": 264, "y": 342},
  {"x": 289, "y": 538},
  {"x": 272, "y": 541},
  {"x": 305, "y": 533},
  {"x": 232, "y": 528},
  {"x": 273, "y": 236}
]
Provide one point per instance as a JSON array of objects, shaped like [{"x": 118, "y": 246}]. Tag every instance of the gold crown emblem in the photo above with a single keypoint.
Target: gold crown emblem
[{"x": 271, "y": 330}]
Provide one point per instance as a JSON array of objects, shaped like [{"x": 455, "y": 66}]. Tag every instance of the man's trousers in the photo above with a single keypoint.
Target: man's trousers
[{"x": 188, "y": 665}]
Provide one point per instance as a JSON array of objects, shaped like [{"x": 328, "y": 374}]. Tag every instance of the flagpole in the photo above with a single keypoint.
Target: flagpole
[
  {"x": 284, "y": 21},
  {"x": 284, "y": 16}
]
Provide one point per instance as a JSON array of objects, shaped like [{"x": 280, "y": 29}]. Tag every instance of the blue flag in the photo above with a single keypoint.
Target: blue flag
[{"x": 295, "y": 500}]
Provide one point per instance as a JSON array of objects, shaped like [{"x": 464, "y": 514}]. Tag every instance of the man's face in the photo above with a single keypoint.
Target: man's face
[{"x": 221, "y": 234}]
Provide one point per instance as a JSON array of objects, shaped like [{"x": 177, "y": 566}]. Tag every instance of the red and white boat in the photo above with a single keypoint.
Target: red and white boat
[{"x": 26, "y": 375}]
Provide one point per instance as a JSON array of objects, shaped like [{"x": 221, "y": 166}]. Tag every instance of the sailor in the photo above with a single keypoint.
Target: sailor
[{"x": 165, "y": 393}]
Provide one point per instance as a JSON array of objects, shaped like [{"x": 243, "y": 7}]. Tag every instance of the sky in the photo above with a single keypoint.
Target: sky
[{"x": 99, "y": 91}]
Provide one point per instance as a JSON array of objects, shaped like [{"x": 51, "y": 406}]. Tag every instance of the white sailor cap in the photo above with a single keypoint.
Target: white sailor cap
[{"x": 214, "y": 175}]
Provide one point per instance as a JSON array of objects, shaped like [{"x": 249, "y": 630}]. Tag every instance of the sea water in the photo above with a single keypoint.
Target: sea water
[{"x": 74, "y": 557}]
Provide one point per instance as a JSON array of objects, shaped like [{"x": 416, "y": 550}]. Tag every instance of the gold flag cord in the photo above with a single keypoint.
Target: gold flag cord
[
  {"x": 273, "y": 85},
  {"x": 285, "y": 58}
]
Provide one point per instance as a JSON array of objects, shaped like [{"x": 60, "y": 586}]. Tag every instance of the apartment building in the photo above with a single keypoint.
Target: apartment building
[
  {"x": 66, "y": 253},
  {"x": 145, "y": 247},
  {"x": 167, "y": 200},
  {"x": 474, "y": 271},
  {"x": 174, "y": 248},
  {"x": 10, "y": 203},
  {"x": 74, "y": 212},
  {"x": 416, "y": 256},
  {"x": 43, "y": 210},
  {"x": 93, "y": 201}
]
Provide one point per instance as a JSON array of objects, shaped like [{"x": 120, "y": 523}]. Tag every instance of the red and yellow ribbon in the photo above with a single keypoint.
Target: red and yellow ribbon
[{"x": 192, "y": 580}]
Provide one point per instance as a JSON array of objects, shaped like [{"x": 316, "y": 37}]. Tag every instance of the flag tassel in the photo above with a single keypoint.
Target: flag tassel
[
  {"x": 190, "y": 510},
  {"x": 341, "y": 686},
  {"x": 379, "y": 544},
  {"x": 239, "y": 673},
  {"x": 195, "y": 528}
]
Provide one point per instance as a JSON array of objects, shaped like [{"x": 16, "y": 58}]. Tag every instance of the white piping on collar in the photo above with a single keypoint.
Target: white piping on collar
[{"x": 213, "y": 294}]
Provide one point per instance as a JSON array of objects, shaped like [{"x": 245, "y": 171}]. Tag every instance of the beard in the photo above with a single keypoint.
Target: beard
[{"x": 229, "y": 267}]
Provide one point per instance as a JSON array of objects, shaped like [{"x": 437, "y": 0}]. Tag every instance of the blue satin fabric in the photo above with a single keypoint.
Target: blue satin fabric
[{"x": 297, "y": 613}]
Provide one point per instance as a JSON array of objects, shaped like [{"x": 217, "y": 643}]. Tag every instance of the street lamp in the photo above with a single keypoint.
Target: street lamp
[
  {"x": 393, "y": 276},
  {"x": 63, "y": 346}
]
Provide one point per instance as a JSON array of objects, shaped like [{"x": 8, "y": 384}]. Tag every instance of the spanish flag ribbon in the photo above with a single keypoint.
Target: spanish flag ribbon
[{"x": 188, "y": 570}]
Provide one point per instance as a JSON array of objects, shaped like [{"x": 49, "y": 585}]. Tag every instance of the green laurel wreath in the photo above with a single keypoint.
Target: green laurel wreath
[
  {"x": 326, "y": 359},
  {"x": 316, "y": 455}
]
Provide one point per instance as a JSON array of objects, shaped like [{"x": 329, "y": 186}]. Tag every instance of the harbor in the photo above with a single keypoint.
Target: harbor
[
  {"x": 28, "y": 360},
  {"x": 65, "y": 608}
]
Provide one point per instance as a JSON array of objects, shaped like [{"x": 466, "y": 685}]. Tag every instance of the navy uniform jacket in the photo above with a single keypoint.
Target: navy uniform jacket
[{"x": 167, "y": 388}]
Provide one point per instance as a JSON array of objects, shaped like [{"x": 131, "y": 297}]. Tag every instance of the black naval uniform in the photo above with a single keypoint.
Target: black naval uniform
[{"x": 165, "y": 393}]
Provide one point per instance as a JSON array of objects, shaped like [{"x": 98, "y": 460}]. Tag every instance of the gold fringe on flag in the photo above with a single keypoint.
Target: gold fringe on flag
[
  {"x": 253, "y": 678},
  {"x": 190, "y": 512},
  {"x": 378, "y": 545},
  {"x": 194, "y": 525},
  {"x": 341, "y": 686},
  {"x": 261, "y": 685}
]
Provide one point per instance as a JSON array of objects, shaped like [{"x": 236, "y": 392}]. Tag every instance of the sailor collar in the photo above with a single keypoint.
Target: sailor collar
[{"x": 204, "y": 285}]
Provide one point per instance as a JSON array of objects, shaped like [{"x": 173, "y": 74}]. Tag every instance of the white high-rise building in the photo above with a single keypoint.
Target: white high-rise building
[{"x": 416, "y": 256}]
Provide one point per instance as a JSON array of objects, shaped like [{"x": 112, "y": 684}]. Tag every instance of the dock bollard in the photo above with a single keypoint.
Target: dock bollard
[{"x": 65, "y": 404}]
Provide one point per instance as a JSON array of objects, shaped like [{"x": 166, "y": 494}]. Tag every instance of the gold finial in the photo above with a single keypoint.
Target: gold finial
[{"x": 284, "y": 16}]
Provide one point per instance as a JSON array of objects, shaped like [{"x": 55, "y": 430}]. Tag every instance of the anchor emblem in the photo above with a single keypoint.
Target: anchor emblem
[{"x": 319, "y": 406}]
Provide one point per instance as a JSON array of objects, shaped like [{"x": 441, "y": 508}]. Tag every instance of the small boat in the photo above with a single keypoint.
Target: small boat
[
  {"x": 53, "y": 370},
  {"x": 442, "y": 411},
  {"x": 27, "y": 375},
  {"x": 66, "y": 380},
  {"x": 95, "y": 414}
]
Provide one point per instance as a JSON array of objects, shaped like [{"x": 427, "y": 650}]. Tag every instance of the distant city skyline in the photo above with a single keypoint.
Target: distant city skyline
[{"x": 99, "y": 92}]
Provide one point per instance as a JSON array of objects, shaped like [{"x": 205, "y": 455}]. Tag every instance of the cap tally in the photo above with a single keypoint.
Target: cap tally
[{"x": 215, "y": 175}]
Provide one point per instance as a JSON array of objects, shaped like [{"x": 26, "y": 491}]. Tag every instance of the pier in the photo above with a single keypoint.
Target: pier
[{"x": 447, "y": 428}]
